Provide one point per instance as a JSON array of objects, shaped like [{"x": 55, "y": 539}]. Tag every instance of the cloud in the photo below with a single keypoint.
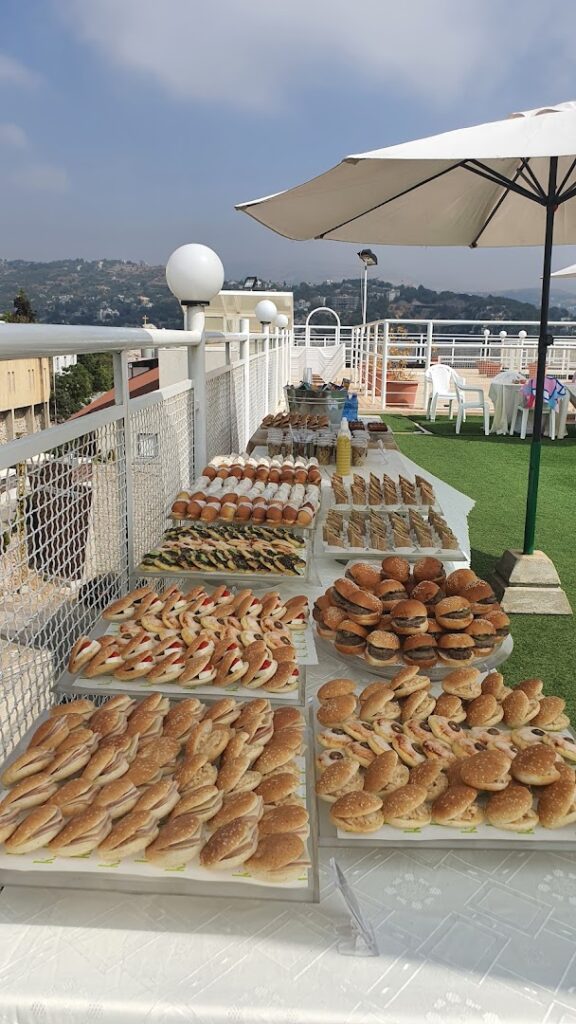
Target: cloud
[
  {"x": 12, "y": 135},
  {"x": 254, "y": 55},
  {"x": 16, "y": 73}
]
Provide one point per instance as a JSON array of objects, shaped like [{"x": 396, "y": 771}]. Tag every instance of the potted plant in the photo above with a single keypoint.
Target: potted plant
[
  {"x": 401, "y": 382},
  {"x": 487, "y": 367}
]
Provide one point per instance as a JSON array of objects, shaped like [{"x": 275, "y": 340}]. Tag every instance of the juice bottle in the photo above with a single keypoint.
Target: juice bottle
[{"x": 344, "y": 450}]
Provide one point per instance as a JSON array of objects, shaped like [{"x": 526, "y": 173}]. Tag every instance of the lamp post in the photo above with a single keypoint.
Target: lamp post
[
  {"x": 266, "y": 313},
  {"x": 522, "y": 335},
  {"x": 369, "y": 259},
  {"x": 282, "y": 324},
  {"x": 195, "y": 275}
]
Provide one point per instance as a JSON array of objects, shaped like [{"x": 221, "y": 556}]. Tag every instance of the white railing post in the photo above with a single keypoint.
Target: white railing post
[
  {"x": 266, "y": 333},
  {"x": 122, "y": 400},
  {"x": 375, "y": 361},
  {"x": 385, "y": 341},
  {"x": 194, "y": 320},
  {"x": 428, "y": 359},
  {"x": 276, "y": 366},
  {"x": 244, "y": 326}
]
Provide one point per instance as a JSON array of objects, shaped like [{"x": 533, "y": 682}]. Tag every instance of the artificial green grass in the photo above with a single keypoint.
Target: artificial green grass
[{"x": 494, "y": 472}]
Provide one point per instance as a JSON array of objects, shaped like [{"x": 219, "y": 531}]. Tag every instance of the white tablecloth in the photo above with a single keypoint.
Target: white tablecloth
[
  {"x": 486, "y": 937},
  {"x": 506, "y": 398}
]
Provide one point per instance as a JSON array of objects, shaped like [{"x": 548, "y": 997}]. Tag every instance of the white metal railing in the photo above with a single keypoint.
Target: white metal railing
[
  {"x": 82, "y": 502},
  {"x": 377, "y": 352}
]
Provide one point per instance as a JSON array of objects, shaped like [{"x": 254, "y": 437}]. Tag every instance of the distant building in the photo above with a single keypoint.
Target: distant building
[
  {"x": 24, "y": 397},
  {"x": 60, "y": 363}
]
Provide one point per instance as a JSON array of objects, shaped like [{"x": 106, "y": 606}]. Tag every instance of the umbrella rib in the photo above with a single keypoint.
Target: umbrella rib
[
  {"x": 494, "y": 211},
  {"x": 476, "y": 167},
  {"x": 525, "y": 169},
  {"x": 565, "y": 178},
  {"x": 399, "y": 195}
]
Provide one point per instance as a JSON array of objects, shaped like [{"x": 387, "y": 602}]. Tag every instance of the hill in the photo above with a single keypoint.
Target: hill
[{"x": 120, "y": 292}]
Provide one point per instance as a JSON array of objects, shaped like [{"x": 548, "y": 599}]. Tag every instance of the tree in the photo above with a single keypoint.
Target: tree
[
  {"x": 72, "y": 391},
  {"x": 23, "y": 312},
  {"x": 100, "y": 368}
]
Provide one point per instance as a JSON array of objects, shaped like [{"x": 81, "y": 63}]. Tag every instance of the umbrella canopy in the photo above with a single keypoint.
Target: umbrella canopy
[
  {"x": 466, "y": 187},
  {"x": 566, "y": 271},
  {"x": 505, "y": 183}
]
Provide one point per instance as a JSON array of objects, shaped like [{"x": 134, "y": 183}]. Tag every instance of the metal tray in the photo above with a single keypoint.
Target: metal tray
[{"x": 134, "y": 876}]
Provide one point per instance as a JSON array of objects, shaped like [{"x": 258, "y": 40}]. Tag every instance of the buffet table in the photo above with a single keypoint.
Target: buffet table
[{"x": 462, "y": 936}]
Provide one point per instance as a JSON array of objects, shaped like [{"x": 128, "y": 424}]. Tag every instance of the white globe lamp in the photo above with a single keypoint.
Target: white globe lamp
[
  {"x": 281, "y": 321},
  {"x": 194, "y": 274},
  {"x": 266, "y": 311},
  {"x": 522, "y": 335}
]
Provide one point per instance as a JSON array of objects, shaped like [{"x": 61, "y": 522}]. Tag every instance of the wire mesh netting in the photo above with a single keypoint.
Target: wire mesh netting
[
  {"x": 219, "y": 438},
  {"x": 162, "y": 440},
  {"x": 258, "y": 386},
  {"x": 63, "y": 558},
  {"x": 238, "y": 409}
]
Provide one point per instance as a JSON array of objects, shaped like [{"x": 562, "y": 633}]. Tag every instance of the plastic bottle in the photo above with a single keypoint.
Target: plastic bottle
[{"x": 344, "y": 450}]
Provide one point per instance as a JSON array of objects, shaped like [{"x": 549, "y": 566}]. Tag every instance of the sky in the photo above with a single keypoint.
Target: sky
[{"x": 128, "y": 127}]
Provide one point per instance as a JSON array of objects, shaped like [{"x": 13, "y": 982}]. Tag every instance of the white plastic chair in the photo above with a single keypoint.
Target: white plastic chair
[
  {"x": 441, "y": 377},
  {"x": 466, "y": 404},
  {"x": 546, "y": 411}
]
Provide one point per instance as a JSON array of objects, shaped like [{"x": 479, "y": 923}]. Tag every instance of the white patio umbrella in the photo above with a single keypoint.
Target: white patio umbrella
[
  {"x": 505, "y": 183},
  {"x": 566, "y": 271}
]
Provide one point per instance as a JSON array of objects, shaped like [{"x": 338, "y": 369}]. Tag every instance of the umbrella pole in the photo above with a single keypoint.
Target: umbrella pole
[{"x": 543, "y": 342}]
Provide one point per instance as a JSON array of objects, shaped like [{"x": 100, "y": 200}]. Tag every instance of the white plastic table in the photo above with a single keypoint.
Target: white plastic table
[{"x": 486, "y": 937}]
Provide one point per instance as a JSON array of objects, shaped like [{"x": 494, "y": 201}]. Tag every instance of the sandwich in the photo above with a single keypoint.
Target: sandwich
[
  {"x": 364, "y": 575},
  {"x": 382, "y": 647},
  {"x": 484, "y": 711},
  {"x": 50, "y": 734},
  {"x": 10, "y": 818},
  {"x": 501, "y": 623},
  {"x": 376, "y": 705},
  {"x": 408, "y": 681},
  {"x": 261, "y": 665},
  {"x": 278, "y": 858},
  {"x": 456, "y": 648},
  {"x": 389, "y": 592},
  {"x": 68, "y": 762},
  {"x": 204, "y": 803},
  {"x": 82, "y": 706},
  {"x": 457, "y": 581},
  {"x": 107, "y": 661},
  {"x": 357, "y": 812},
  {"x": 449, "y": 705},
  {"x": 385, "y": 774},
  {"x": 230, "y": 669},
  {"x": 406, "y": 807},
  {"x": 32, "y": 761},
  {"x": 118, "y": 702},
  {"x": 551, "y": 716},
  {"x": 223, "y": 712},
  {"x": 335, "y": 688},
  {"x": 83, "y": 651},
  {"x": 428, "y": 568},
  {"x": 481, "y": 597},
  {"x": 82, "y": 833},
  {"x": 118, "y": 798},
  {"x": 484, "y": 636},
  {"x": 38, "y": 828},
  {"x": 328, "y": 620},
  {"x": 159, "y": 799},
  {"x": 557, "y": 802},
  {"x": 290, "y": 818},
  {"x": 199, "y": 669},
  {"x": 246, "y": 805},
  {"x": 273, "y": 757},
  {"x": 360, "y": 606},
  {"x": 126, "y": 607},
  {"x": 108, "y": 722},
  {"x": 350, "y": 637},
  {"x": 338, "y": 779},
  {"x": 409, "y": 617},
  {"x": 454, "y": 613},
  {"x": 493, "y": 684},
  {"x": 285, "y": 678},
  {"x": 488, "y": 770},
  {"x": 129, "y": 836},
  {"x": 277, "y": 789},
  {"x": 30, "y": 792},
  {"x": 396, "y": 568},
  {"x": 177, "y": 842},
  {"x": 519, "y": 709},
  {"x": 431, "y": 777},
  {"x": 337, "y": 710},
  {"x": 421, "y": 650},
  {"x": 194, "y": 773},
  {"x": 105, "y": 765},
  {"x": 230, "y": 846},
  {"x": 168, "y": 670},
  {"x": 457, "y": 808},
  {"x": 536, "y": 765},
  {"x": 511, "y": 809},
  {"x": 463, "y": 683},
  {"x": 419, "y": 705}
]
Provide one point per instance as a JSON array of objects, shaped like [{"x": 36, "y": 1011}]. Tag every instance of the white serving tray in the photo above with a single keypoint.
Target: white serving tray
[
  {"x": 358, "y": 664},
  {"x": 323, "y": 550},
  {"x": 135, "y": 875},
  {"x": 481, "y": 837}
]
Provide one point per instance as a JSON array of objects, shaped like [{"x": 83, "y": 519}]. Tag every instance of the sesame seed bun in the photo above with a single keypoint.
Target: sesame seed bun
[
  {"x": 457, "y": 808},
  {"x": 396, "y": 568},
  {"x": 409, "y": 617},
  {"x": 406, "y": 807},
  {"x": 536, "y": 765},
  {"x": 511, "y": 809},
  {"x": 278, "y": 858},
  {"x": 489, "y": 769}
]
